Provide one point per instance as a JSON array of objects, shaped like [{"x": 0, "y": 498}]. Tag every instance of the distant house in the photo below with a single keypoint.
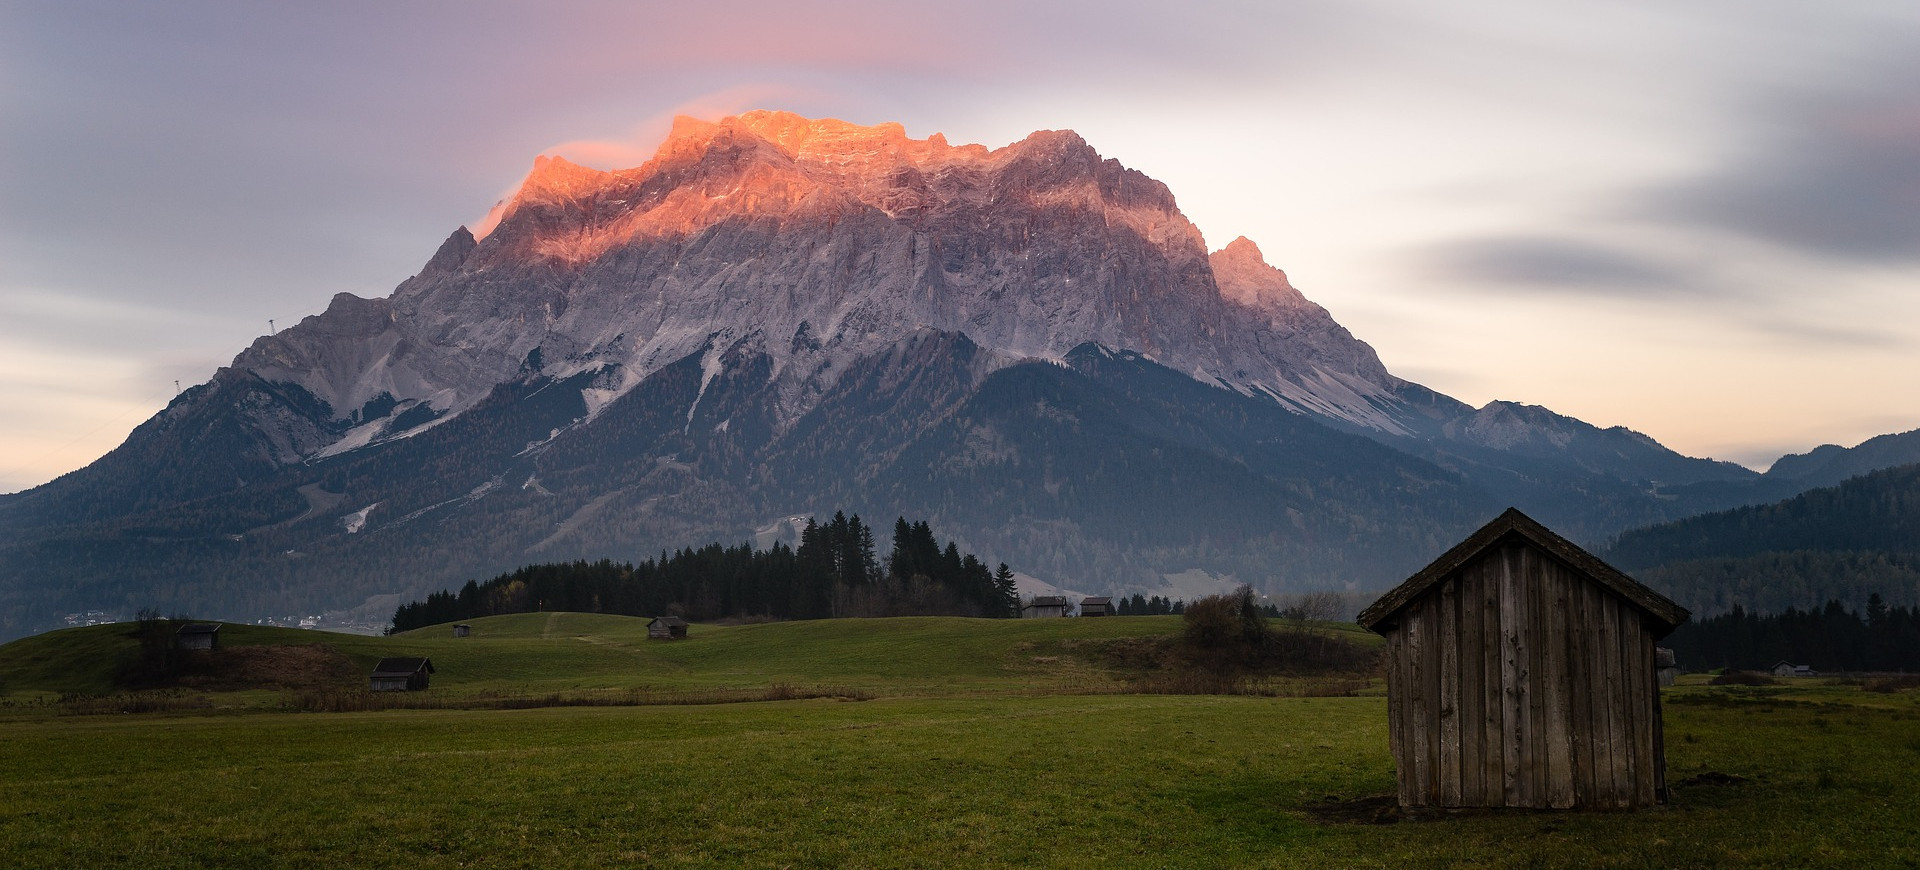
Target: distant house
[
  {"x": 198, "y": 635},
  {"x": 1789, "y": 669},
  {"x": 1521, "y": 673},
  {"x": 1664, "y": 666},
  {"x": 667, "y": 628},
  {"x": 1043, "y": 606},
  {"x": 1098, "y": 605},
  {"x": 400, "y": 675},
  {"x": 462, "y": 630}
]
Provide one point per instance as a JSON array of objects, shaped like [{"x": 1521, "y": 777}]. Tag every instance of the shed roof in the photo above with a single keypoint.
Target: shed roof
[
  {"x": 1511, "y": 525},
  {"x": 402, "y": 667},
  {"x": 198, "y": 628},
  {"x": 668, "y": 621},
  {"x": 1049, "y": 601},
  {"x": 1097, "y": 599}
]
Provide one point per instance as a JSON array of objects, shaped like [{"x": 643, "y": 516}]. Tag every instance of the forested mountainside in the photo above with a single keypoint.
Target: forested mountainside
[{"x": 1845, "y": 543}]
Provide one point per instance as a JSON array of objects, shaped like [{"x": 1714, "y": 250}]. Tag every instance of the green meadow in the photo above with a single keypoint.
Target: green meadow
[{"x": 908, "y": 743}]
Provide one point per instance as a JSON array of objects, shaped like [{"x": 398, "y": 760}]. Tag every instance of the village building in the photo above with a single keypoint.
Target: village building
[
  {"x": 400, "y": 675},
  {"x": 1666, "y": 667},
  {"x": 197, "y": 635},
  {"x": 667, "y": 628},
  {"x": 1098, "y": 605},
  {"x": 1521, "y": 673},
  {"x": 1044, "y": 606},
  {"x": 1789, "y": 669}
]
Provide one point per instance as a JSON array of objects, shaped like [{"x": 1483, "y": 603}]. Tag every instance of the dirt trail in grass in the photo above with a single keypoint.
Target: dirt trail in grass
[
  {"x": 547, "y": 630},
  {"x": 317, "y": 500},
  {"x": 573, "y": 523}
]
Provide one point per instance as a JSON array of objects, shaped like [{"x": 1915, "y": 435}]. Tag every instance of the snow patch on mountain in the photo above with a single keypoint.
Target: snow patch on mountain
[{"x": 357, "y": 520}]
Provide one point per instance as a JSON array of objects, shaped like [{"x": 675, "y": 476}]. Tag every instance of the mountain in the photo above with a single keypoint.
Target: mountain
[
  {"x": 1844, "y": 543},
  {"x": 1829, "y": 464},
  {"x": 1030, "y": 346}
]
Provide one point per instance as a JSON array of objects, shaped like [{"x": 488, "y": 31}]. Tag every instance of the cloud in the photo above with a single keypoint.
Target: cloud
[
  {"x": 1833, "y": 173},
  {"x": 1559, "y": 265},
  {"x": 1828, "y": 338}
]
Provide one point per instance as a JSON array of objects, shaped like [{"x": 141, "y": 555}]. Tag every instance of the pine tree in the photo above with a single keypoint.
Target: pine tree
[{"x": 1008, "y": 593}]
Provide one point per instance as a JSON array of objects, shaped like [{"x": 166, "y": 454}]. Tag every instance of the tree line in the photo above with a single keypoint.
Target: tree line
[
  {"x": 834, "y": 572},
  {"x": 1831, "y": 638}
]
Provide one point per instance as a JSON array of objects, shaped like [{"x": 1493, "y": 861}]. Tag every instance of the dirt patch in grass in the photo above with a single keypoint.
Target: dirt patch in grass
[
  {"x": 291, "y": 667},
  {"x": 1383, "y": 809},
  {"x": 1711, "y": 777}
]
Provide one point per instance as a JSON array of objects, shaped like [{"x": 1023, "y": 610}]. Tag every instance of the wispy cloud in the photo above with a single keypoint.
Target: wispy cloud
[
  {"x": 1545, "y": 264},
  {"x": 1832, "y": 171}
]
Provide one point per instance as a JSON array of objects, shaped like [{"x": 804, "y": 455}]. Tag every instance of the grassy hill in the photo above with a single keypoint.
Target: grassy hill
[{"x": 584, "y": 652}]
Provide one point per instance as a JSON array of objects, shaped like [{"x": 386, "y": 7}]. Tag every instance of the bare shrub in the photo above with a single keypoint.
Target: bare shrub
[
  {"x": 1890, "y": 685},
  {"x": 1320, "y": 606},
  {"x": 1229, "y": 634}
]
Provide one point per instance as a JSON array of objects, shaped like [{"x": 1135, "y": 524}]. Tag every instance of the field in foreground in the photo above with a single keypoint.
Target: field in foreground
[{"x": 1000, "y": 774}]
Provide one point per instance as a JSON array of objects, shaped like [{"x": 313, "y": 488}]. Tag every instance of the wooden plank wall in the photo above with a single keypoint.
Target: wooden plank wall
[{"x": 1518, "y": 682}]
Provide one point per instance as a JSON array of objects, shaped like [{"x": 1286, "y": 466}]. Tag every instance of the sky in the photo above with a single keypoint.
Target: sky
[{"x": 1698, "y": 220}]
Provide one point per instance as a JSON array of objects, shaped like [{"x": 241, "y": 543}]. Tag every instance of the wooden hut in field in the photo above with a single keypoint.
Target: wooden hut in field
[
  {"x": 197, "y": 635},
  {"x": 1521, "y": 673},
  {"x": 462, "y": 630},
  {"x": 400, "y": 675},
  {"x": 1097, "y": 605},
  {"x": 1044, "y": 606},
  {"x": 667, "y": 628}
]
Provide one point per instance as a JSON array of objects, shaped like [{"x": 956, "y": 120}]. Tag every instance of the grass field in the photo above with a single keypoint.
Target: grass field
[{"x": 984, "y": 744}]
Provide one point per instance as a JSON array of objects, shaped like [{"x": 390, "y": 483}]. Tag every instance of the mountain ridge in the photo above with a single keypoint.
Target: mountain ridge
[{"x": 1030, "y": 346}]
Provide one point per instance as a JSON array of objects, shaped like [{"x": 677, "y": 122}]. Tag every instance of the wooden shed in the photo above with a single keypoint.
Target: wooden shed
[
  {"x": 1097, "y": 605},
  {"x": 400, "y": 675},
  {"x": 1043, "y": 606},
  {"x": 667, "y": 628},
  {"x": 197, "y": 635},
  {"x": 1520, "y": 673},
  {"x": 462, "y": 630}
]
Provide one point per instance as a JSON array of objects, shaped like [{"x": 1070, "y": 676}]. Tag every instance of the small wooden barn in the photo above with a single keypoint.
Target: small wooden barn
[
  {"x": 1789, "y": 669},
  {"x": 1097, "y": 605},
  {"x": 667, "y": 628},
  {"x": 400, "y": 675},
  {"x": 1044, "y": 606},
  {"x": 1520, "y": 673},
  {"x": 197, "y": 635},
  {"x": 462, "y": 630}
]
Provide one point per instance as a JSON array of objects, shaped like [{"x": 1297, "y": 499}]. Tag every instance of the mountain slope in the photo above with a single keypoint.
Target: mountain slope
[
  {"x": 1843, "y": 542},
  {"x": 1829, "y": 464},
  {"x": 1104, "y": 469}
]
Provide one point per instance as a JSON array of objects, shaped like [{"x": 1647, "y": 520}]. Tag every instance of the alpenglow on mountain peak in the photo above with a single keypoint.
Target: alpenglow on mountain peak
[{"x": 811, "y": 243}]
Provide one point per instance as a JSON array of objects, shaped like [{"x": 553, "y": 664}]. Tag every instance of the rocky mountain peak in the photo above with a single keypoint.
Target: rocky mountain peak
[
  {"x": 451, "y": 254},
  {"x": 1245, "y": 277},
  {"x": 556, "y": 178},
  {"x": 742, "y": 236}
]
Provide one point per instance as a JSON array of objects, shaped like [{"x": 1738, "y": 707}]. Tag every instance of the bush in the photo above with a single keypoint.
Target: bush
[
  {"x": 1741, "y": 678},
  {"x": 1228, "y": 634}
]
